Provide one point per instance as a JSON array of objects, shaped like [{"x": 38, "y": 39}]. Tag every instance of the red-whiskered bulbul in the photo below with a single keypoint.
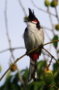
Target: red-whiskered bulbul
[{"x": 33, "y": 37}]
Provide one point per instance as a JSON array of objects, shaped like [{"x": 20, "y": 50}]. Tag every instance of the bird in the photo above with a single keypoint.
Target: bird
[{"x": 33, "y": 37}]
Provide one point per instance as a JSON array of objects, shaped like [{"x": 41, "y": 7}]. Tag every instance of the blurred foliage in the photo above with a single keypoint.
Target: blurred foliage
[
  {"x": 12, "y": 82},
  {"x": 55, "y": 44}
]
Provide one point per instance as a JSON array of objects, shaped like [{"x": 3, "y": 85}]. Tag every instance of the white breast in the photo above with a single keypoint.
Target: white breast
[{"x": 33, "y": 37}]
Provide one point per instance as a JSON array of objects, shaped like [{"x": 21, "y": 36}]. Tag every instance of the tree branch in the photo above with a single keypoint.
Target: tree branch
[
  {"x": 42, "y": 9},
  {"x": 20, "y": 3},
  {"x": 9, "y": 41},
  {"x": 51, "y": 55},
  {"x": 28, "y": 53},
  {"x": 57, "y": 14},
  {"x": 15, "y": 48},
  {"x": 6, "y": 24}
]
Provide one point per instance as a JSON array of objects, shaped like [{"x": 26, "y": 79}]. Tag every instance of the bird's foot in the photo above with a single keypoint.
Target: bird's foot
[
  {"x": 41, "y": 46},
  {"x": 27, "y": 53}
]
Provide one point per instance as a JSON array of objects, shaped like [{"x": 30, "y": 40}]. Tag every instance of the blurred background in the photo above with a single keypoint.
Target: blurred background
[{"x": 12, "y": 27}]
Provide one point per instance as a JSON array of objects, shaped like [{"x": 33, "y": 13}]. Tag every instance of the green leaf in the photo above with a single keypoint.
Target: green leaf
[
  {"x": 36, "y": 85},
  {"x": 58, "y": 51},
  {"x": 56, "y": 66},
  {"x": 55, "y": 44},
  {"x": 40, "y": 67},
  {"x": 41, "y": 64}
]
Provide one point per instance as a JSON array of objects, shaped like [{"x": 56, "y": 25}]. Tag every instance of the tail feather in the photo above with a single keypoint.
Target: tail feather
[{"x": 33, "y": 71}]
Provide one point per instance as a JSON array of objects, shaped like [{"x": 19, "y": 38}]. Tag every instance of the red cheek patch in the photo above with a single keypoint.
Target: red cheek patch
[{"x": 35, "y": 21}]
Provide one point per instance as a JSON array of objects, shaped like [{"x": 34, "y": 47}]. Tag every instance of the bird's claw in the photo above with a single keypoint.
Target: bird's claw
[{"x": 27, "y": 53}]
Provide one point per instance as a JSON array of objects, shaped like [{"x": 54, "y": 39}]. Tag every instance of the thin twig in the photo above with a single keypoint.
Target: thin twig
[
  {"x": 11, "y": 65},
  {"x": 9, "y": 41},
  {"x": 11, "y": 49},
  {"x": 49, "y": 63},
  {"x": 57, "y": 14},
  {"x": 42, "y": 9},
  {"x": 51, "y": 42},
  {"x": 51, "y": 55},
  {"x": 48, "y": 10},
  {"x": 44, "y": 53},
  {"x": 28, "y": 53},
  {"x": 5, "y": 73},
  {"x": 47, "y": 34},
  {"x": 46, "y": 28},
  {"x": 21, "y": 79},
  {"x": 6, "y": 24},
  {"x": 55, "y": 87},
  {"x": 20, "y": 3},
  {"x": 19, "y": 58}
]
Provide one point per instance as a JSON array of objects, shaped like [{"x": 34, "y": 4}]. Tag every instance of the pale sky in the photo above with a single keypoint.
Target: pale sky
[{"x": 16, "y": 27}]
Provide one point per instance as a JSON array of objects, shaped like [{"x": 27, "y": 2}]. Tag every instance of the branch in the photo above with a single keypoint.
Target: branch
[
  {"x": 9, "y": 41},
  {"x": 20, "y": 3},
  {"x": 57, "y": 14},
  {"x": 21, "y": 79},
  {"x": 6, "y": 24},
  {"x": 11, "y": 66},
  {"x": 28, "y": 53},
  {"x": 48, "y": 10},
  {"x": 48, "y": 36},
  {"x": 51, "y": 55},
  {"x": 42, "y": 9},
  {"x": 5, "y": 73},
  {"x": 12, "y": 49},
  {"x": 51, "y": 42},
  {"x": 55, "y": 87},
  {"x": 46, "y": 28}
]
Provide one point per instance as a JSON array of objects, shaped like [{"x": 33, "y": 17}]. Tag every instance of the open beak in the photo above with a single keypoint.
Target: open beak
[{"x": 26, "y": 19}]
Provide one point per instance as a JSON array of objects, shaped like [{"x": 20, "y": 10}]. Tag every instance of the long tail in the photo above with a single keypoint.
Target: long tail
[{"x": 33, "y": 71}]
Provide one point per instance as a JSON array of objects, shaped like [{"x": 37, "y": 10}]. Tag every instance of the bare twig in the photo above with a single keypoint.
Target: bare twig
[
  {"x": 20, "y": 3},
  {"x": 6, "y": 24},
  {"x": 5, "y": 73},
  {"x": 46, "y": 28},
  {"x": 28, "y": 53},
  {"x": 42, "y": 9},
  {"x": 9, "y": 41},
  {"x": 21, "y": 79},
  {"x": 51, "y": 55},
  {"x": 51, "y": 42},
  {"x": 55, "y": 87},
  {"x": 19, "y": 58},
  {"x": 49, "y": 63},
  {"x": 51, "y": 20},
  {"x": 12, "y": 49},
  {"x": 57, "y": 14},
  {"x": 48, "y": 36},
  {"x": 46, "y": 54}
]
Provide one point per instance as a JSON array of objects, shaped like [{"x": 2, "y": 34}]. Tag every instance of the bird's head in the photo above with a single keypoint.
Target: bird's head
[{"x": 31, "y": 18}]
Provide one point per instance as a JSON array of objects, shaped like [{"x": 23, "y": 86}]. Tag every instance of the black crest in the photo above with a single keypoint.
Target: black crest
[{"x": 31, "y": 15}]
